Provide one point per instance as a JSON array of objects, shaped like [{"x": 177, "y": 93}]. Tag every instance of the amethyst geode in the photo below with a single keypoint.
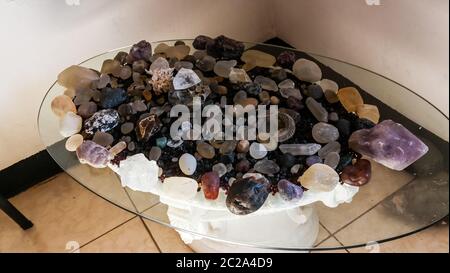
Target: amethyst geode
[{"x": 388, "y": 143}]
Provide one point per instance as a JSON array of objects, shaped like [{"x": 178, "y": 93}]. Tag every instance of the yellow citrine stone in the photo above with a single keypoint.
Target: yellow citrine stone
[
  {"x": 369, "y": 112},
  {"x": 254, "y": 58},
  {"x": 350, "y": 98}
]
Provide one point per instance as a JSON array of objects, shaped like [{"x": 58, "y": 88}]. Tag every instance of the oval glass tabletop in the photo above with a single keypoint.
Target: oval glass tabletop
[{"x": 394, "y": 204}]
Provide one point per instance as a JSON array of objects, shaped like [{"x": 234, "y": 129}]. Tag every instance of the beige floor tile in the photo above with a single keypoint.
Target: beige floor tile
[
  {"x": 142, "y": 200},
  {"x": 421, "y": 202},
  {"x": 432, "y": 240},
  {"x": 130, "y": 237},
  {"x": 104, "y": 182},
  {"x": 62, "y": 211},
  {"x": 330, "y": 242},
  {"x": 383, "y": 183},
  {"x": 323, "y": 234},
  {"x": 167, "y": 238}
]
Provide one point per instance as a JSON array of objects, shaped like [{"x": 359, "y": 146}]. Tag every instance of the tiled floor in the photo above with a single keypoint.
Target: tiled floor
[{"x": 69, "y": 218}]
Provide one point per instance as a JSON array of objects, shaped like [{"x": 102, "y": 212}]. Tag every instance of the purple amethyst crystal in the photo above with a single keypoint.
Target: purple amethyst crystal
[
  {"x": 388, "y": 143},
  {"x": 93, "y": 154},
  {"x": 289, "y": 191},
  {"x": 140, "y": 51}
]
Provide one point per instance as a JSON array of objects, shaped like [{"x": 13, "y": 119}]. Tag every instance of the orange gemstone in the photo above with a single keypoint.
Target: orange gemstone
[
  {"x": 369, "y": 112},
  {"x": 350, "y": 98}
]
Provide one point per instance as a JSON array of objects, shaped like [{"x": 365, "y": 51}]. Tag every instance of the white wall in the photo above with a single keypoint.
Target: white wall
[
  {"x": 405, "y": 40},
  {"x": 40, "y": 38}
]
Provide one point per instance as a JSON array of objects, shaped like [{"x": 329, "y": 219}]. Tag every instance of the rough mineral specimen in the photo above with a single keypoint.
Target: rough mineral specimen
[
  {"x": 140, "y": 51},
  {"x": 119, "y": 147},
  {"x": 70, "y": 124},
  {"x": 206, "y": 64},
  {"x": 103, "y": 120},
  {"x": 103, "y": 139},
  {"x": 332, "y": 159},
  {"x": 306, "y": 70},
  {"x": 288, "y": 83},
  {"x": 185, "y": 78},
  {"x": 313, "y": 159},
  {"x": 158, "y": 64},
  {"x": 330, "y": 90},
  {"x": 369, "y": 112},
  {"x": 266, "y": 83},
  {"x": 286, "y": 59},
  {"x": 87, "y": 109},
  {"x": 291, "y": 92},
  {"x": 93, "y": 154},
  {"x": 138, "y": 173},
  {"x": 318, "y": 111},
  {"x": 247, "y": 195},
  {"x": 201, "y": 41},
  {"x": 388, "y": 143},
  {"x": 205, "y": 150},
  {"x": 319, "y": 177},
  {"x": 63, "y": 104},
  {"x": 177, "y": 52},
  {"x": 223, "y": 68},
  {"x": 243, "y": 146},
  {"x": 300, "y": 149},
  {"x": 225, "y": 48},
  {"x": 210, "y": 185},
  {"x": 358, "y": 174},
  {"x": 350, "y": 98},
  {"x": 155, "y": 153},
  {"x": 238, "y": 75},
  {"x": 161, "y": 80},
  {"x": 77, "y": 77},
  {"x": 147, "y": 126},
  {"x": 289, "y": 191},
  {"x": 112, "y": 97},
  {"x": 324, "y": 133},
  {"x": 220, "y": 169},
  {"x": 314, "y": 91},
  {"x": 266, "y": 166},
  {"x": 332, "y": 146},
  {"x": 258, "y": 58}
]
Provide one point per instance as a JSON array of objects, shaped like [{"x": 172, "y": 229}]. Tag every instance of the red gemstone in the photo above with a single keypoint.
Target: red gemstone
[
  {"x": 210, "y": 185},
  {"x": 358, "y": 174}
]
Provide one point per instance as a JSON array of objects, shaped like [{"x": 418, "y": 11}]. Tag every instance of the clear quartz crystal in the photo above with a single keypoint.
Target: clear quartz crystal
[
  {"x": 300, "y": 149},
  {"x": 318, "y": 111},
  {"x": 185, "y": 78},
  {"x": 138, "y": 173}
]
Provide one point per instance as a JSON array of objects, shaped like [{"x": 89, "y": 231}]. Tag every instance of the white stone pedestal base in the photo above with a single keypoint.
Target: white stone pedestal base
[{"x": 294, "y": 228}]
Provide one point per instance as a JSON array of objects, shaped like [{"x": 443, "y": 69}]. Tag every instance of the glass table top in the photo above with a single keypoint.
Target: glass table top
[{"x": 394, "y": 204}]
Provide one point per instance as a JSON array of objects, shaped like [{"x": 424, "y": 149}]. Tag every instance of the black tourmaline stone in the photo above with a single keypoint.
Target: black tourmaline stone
[
  {"x": 226, "y": 48},
  {"x": 247, "y": 195},
  {"x": 362, "y": 123}
]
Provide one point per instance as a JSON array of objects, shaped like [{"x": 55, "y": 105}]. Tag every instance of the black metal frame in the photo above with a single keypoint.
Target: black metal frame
[{"x": 14, "y": 213}]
